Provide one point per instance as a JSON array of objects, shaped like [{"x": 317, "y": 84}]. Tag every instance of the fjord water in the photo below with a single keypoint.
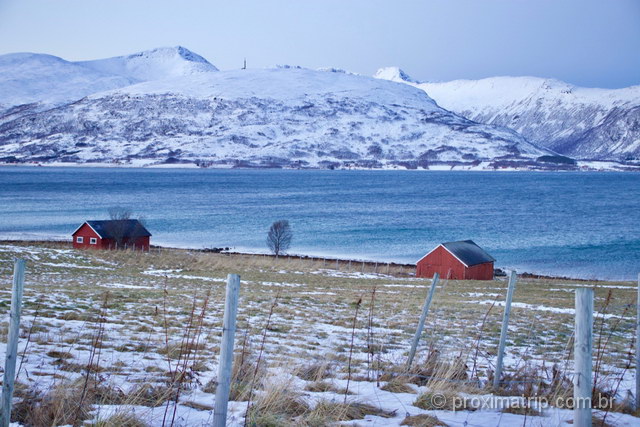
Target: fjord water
[{"x": 582, "y": 224}]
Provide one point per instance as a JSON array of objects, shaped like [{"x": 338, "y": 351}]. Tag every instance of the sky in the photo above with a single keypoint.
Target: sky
[{"x": 593, "y": 43}]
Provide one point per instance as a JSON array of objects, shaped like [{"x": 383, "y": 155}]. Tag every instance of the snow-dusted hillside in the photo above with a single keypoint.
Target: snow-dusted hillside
[
  {"x": 171, "y": 105},
  {"x": 579, "y": 122},
  {"x": 36, "y": 78}
]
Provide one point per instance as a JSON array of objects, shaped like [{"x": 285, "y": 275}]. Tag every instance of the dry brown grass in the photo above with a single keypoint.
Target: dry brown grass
[
  {"x": 315, "y": 371},
  {"x": 61, "y": 405},
  {"x": 322, "y": 387},
  {"x": 434, "y": 371},
  {"x": 441, "y": 400},
  {"x": 422, "y": 420},
  {"x": 596, "y": 421},
  {"x": 522, "y": 410},
  {"x": 121, "y": 419},
  {"x": 243, "y": 377},
  {"x": 326, "y": 413},
  {"x": 398, "y": 385},
  {"x": 277, "y": 404},
  {"x": 152, "y": 395}
]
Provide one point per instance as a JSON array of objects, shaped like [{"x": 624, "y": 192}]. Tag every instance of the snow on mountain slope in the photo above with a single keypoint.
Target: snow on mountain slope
[
  {"x": 394, "y": 74},
  {"x": 47, "y": 80},
  {"x": 578, "y": 122},
  {"x": 30, "y": 78},
  {"x": 273, "y": 117},
  {"x": 153, "y": 64}
]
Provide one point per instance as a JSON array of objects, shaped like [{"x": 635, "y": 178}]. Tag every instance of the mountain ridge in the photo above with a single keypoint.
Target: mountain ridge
[
  {"x": 281, "y": 117},
  {"x": 172, "y": 106},
  {"x": 578, "y": 122}
]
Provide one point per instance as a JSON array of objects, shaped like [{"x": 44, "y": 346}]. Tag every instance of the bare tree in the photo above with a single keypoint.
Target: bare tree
[
  {"x": 279, "y": 237},
  {"x": 120, "y": 213},
  {"x": 120, "y": 227}
]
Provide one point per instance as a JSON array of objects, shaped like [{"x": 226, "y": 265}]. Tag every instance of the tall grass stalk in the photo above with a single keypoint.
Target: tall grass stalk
[
  {"x": 614, "y": 394},
  {"x": 260, "y": 353},
  {"x": 178, "y": 376},
  {"x": 190, "y": 351},
  {"x": 96, "y": 342},
  {"x": 477, "y": 346},
  {"x": 29, "y": 334},
  {"x": 599, "y": 347},
  {"x": 353, "y": 334},
  {"x": 370, "y": 344}
]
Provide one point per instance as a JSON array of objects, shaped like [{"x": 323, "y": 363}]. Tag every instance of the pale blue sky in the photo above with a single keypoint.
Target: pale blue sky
[{"x": 585, "y": 42}]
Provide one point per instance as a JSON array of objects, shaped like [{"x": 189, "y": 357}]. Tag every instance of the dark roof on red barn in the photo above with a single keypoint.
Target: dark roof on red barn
[
  {"x": 125, "y": 228},
  {"x": 468, "y": 252}
]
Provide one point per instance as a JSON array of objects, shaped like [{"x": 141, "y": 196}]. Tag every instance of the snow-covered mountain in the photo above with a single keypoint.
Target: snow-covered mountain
[
  {"x": 27, "y": 78},
  {"x": 154, "y": 64},
  {"x": 45, "y": 79},
  {"x": 171, "y": 105},
  {"x": 394, "y": 74},
  {"x": 585, "y": 123}
]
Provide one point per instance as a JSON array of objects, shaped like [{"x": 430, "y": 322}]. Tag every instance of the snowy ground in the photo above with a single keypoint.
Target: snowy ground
[{"x": 137, "y": 319}]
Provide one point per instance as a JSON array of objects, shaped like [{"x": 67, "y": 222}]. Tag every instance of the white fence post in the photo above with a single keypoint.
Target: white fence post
[
  {"x": 12, "y": 342},
  {"x": 505, "y": 328},
  {"x": 582, "y": 381},
  {"x": 423, "y": 317},
  {"x": 226, "y": 350},
  {"x": 638, "y": 348}
]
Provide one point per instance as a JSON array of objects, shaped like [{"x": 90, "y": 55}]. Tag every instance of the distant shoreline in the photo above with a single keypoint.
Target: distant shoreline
[
  {"x": 581, "y": 166},
  {"x": 328, "y": 260}
]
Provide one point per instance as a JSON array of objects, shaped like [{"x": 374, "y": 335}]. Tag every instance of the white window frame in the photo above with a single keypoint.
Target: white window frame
[
  {"x": 79, "y": 239},
  {"x": 93, "y": 241}
]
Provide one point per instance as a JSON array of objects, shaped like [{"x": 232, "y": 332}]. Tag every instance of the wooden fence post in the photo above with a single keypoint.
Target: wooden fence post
[
  {"x": 337, "y": 264},
  {"x": 423, "y": 317},
  {"x": 638, "y": 347},
  {"x": 583, "y": 364},
  {"x": 349, "y": 266},
  {"x": 505, "y": 328},
  {"x": 226, "y": 350},
  {"x": 12, "y": 342},
  {"x": 363, "y": 266}
]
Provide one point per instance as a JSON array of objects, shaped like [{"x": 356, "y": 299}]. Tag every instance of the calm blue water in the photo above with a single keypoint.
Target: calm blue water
[{"x": 574, "y": 224}]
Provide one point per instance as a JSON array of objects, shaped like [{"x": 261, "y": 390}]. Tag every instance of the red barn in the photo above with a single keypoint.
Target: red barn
[
  {"x": 112, "y": 234},
  {"x": 462, "y": 260}
]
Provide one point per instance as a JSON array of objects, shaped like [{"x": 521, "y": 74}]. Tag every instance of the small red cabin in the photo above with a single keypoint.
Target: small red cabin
[
  {"x": 462, "y": 260},
  {"x": 112, "y": 234}
]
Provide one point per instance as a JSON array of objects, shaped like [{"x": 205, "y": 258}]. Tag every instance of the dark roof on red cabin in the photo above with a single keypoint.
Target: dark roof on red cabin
[
  {"x": 468, "y": 252},
  {"x": 125, "y": 228}
]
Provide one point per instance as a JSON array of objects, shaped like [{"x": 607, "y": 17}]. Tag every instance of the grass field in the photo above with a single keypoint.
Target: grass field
[{"x": 117, "y": 338}]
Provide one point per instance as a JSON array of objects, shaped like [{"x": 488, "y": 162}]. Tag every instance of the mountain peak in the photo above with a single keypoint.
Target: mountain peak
[
  {"x": 154, "y": 64},
  {"x": 177, "y": 52},
  {"x": 394, "y": 74}
]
